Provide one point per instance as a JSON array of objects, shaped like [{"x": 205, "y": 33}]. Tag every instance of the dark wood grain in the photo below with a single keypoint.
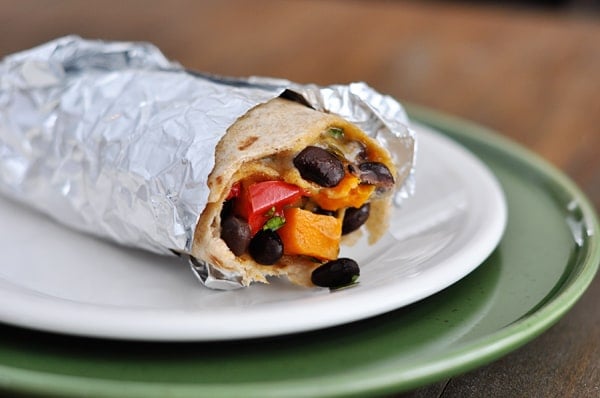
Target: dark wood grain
[{"x": 533, "y": 76}]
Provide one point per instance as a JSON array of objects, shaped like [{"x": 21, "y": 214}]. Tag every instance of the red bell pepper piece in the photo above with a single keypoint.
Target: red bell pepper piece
[{"x": 257, "y": 201}]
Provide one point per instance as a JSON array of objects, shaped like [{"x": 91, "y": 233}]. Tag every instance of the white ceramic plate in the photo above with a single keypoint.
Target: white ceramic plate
[{"x": 55, "y": 279}]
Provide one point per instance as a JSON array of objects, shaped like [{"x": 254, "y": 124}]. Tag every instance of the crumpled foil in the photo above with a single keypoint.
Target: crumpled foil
[{"x": 113, "y": 139}]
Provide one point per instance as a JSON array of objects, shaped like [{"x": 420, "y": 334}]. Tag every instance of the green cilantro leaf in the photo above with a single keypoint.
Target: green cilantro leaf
[
  {"x": 336, "y": 132},
  {"x": 274, "y": 223}
]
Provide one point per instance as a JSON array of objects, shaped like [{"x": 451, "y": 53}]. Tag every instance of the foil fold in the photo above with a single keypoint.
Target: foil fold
[{"x": 115, "y": 140}]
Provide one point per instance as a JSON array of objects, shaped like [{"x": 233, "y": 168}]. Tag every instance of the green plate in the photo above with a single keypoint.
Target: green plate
[{"x": 545, "y": 261}]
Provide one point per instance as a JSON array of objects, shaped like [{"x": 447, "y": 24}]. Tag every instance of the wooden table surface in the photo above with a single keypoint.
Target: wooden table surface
[{"x": 533, "y": 76}]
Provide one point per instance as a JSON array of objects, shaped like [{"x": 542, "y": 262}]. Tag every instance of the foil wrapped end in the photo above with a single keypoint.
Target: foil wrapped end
[{"x": 212, "y": 277}]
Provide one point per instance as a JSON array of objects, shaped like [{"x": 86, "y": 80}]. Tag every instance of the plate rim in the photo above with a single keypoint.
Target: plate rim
[{"x": 465, "y": 357}]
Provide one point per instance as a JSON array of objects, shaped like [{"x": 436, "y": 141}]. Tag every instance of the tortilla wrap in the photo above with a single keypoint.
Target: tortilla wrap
[{"x": 276, "y": 130}]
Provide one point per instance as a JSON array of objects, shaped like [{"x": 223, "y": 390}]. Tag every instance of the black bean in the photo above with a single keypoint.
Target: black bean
[
  {"x": 319, "y": 166},
  {"x": 266, "y": 247},
  {"x": 355, "y": 217},
  {"x": 375, "y": 173},
  {"x": 236, "y": 234},
  {"x": 336, "y": 273}
]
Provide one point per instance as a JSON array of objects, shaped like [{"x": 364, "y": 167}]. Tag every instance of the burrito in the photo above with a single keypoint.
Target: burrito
[
  {"x": 289, "y": 185},
  {"x": 246, "y": 177}
]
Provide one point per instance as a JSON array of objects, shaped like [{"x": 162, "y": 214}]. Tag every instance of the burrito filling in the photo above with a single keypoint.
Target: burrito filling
[{"x": 297, "y": 206}]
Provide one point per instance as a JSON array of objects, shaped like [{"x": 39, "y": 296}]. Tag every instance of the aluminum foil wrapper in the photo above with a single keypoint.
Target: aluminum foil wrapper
[{"x": 113, "y": 139}]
